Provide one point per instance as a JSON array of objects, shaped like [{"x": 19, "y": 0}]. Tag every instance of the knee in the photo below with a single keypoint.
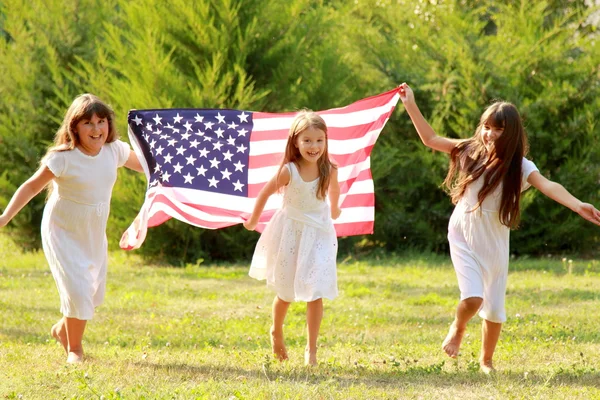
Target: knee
[{"x": 472, "y": 304}]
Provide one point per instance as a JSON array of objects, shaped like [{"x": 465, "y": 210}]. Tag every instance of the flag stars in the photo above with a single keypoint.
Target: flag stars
[
  {"x": 165, "y": 177},
  {"x": 200, "y": 133},
  {"x": 208, "y": 125},
  {"x": 219, "y": 132},
  {"x": 190, "y": 160},
  {"x": 152, "y": 143},
  {"x": 239, "y": 166},
  {"x": 226, "y": 174},
  {"x": 159, "y": 150},
  {"x": 213, "y": 182},
  {"x": 242, "y": 132},
  {"x": 204, "y": 153},
  {"x": 231, "y": 141},
  {"x": 194, "y": 143},
  {"x": 217, "y": 146},
  {"x": 157, "y": 168},
  {"x": 157, "y": 120},
  {"x": 188, "y": 126},
  {"x": 238, "y": 186},
  {"x": 177, "y": 168},
  {"x": 227, "y": 155},
  {"x": 177, "y": 119},
  {"x": 149, "y": 126},
  {"x": 243, "y": 117},
  {"x": 232, "y": 125},
  {"x": 188, "y": 178},
  {"x": 137, "y": 120},
  {"x": 180, "y": 150},
  {"x": 172, "y": 142},
  {"x": 241, "y": 148},
  {"x": 168, "y": 159},
  {"x": 199, "y": 118},
  {"x": 201, "y": 170},
  {"x": 214, "y": 163},
  {"x": 186, "y": 136},
  {"x": 220, "y": 118}
]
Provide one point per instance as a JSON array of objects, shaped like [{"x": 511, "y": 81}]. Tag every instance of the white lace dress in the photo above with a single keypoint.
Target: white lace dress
[
  {"x": 479, "y": 247},
  {"x": 74, "y": 225},
  {"x": 296, "y": 252}
]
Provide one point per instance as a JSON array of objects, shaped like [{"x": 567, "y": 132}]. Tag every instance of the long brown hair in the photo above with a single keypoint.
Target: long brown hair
[
  {"x": 501, "y": 164},
  {"x": 83, "y": 107},
  {"x": 305, "y": 120}
]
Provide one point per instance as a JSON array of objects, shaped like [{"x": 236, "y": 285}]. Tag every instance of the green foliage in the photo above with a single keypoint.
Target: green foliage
[{"x": 281, "y": 56}]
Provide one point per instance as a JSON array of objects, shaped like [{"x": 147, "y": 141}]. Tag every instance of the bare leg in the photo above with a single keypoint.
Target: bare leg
[
  {"x": 464, "y": 312},
  {"x": 280, "y": 308},
  {"x": 75, "y": 329},
  {"x": 490, "y": 333},
  {"x": 314, "y": 316},
  {"x": 59, "y": 332}
]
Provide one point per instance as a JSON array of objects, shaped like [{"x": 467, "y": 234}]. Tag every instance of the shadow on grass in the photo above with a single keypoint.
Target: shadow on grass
[{"x": 427, "y": 376}]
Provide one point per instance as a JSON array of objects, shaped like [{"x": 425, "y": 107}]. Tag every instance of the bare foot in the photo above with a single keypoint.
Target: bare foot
[
  {"x": 59, "y": 333},
  {"x": 451, "y": 344},
  {"x": 487, "y": 367},
  {"x": 310, "y": 357},
  {"x": 278, "y": 344},
  {"x": 75, "y": 357}
]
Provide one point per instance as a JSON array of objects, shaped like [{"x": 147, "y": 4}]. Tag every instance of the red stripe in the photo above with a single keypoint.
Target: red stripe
[
  {"x": 350, "y": 132},
  {"x": 364, "y": 175},
  {"x": 359, "y": 200},
  {"x": 360, "y": 105},
  {"x": 341, "y": 160},
  {"x": 354, "y": 228}
]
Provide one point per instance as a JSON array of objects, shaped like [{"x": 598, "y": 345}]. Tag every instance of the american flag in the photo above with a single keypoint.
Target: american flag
[{"x": 206, "y": 166}]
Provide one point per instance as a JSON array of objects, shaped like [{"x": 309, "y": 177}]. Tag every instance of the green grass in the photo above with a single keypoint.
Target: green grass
[{"x": 201, "y": 332}]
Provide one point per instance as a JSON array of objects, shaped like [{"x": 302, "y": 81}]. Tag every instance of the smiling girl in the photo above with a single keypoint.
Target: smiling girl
[
  {"x": 487, "y": 174},
  {"x": 80, "y": 171},
  {"x": 297, "y": 251}
]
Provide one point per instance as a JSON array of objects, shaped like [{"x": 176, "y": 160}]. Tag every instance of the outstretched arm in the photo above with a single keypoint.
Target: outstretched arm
[
  {"x": 425, "y": 131},
  {"x": 559, "y": 194},
  {"x": 278, "y": 181},
  {"x": 25, "y": 193},
  {"x": 133, "y": 162},
  {"x": 334, "y": 194}
]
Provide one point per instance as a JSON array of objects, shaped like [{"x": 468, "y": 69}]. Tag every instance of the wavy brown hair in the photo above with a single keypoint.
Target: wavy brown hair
[
  {"x": 305, "y": 120},
  {"x": 83, "y": 107},
  {"x": 500, "y": 165}
]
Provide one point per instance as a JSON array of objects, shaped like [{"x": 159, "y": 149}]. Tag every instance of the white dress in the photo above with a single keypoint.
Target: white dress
[
  {"x": 74, "y": 224},
  {"x": 479, "y": 247},
  {"x": 297, "y": 251}
]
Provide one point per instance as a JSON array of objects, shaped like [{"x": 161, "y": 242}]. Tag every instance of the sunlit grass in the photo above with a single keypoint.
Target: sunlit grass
[{"x": 201, "y": 332}]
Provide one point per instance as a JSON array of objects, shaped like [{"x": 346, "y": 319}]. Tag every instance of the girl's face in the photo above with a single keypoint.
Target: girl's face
[
  {"x": 490, "y": 134},
  {"x": 312, "y": 144},
  {"x": 92, "y": 134}
]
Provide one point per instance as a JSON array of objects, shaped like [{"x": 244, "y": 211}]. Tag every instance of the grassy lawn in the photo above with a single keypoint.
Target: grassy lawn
[{"x": 201, "y": 332}]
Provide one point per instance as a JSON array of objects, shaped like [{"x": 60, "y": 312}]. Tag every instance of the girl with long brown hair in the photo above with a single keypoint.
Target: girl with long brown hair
[
  {"x": 487, "y": 174},
  {"x": 79, "y": 171},
  {"x": 296, "y": 252}
]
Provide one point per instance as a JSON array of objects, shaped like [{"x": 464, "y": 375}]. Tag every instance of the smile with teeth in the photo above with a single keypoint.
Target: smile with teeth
[
  {"x": 313, "y": 153},
  {"x": 96, "y": 137}
]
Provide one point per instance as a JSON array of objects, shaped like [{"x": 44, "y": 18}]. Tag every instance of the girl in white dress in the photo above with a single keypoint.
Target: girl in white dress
[
  {"x": 79, "y": 171},
  {"x": 296, "y": 253},
  {"x": 486, "y": 176}
]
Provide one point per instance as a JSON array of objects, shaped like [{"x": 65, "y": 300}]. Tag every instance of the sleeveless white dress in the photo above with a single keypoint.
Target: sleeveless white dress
[
  {"x": 479, "y": 247},
  {"x": 74, "y": 225},
  {"x": 297, "y": 251}
]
